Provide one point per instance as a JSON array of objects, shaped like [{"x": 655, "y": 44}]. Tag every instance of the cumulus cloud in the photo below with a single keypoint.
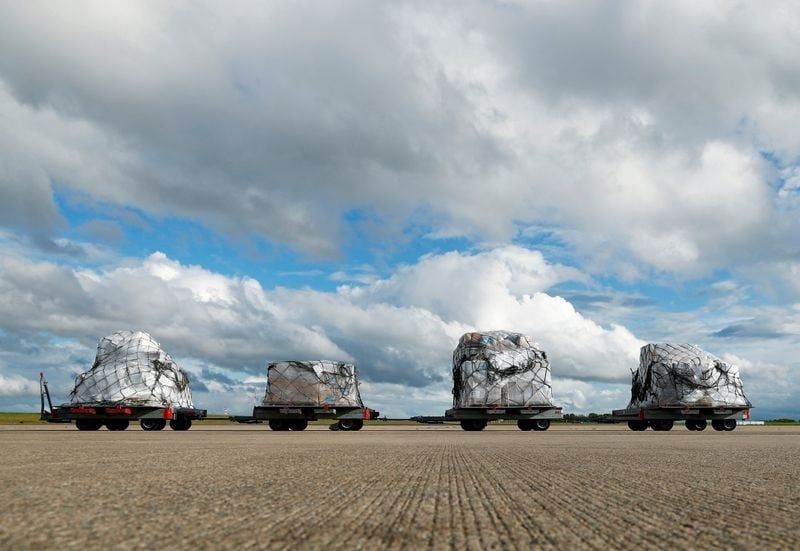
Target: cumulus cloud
[
  {"x": 617, "y": 127},
  {"x": 14, "y": 385}
]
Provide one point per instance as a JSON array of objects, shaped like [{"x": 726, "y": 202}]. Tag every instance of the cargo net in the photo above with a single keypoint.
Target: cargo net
[
  {"x": 684, "y": 375},
  {"x": 131, "y": 369},
  {"x": 499, "y": 368},
  {"x": 312, "y": 383}
]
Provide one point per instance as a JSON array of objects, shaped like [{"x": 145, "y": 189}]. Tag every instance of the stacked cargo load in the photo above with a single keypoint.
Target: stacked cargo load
[
  {"x": 500, "y": 368},
  {"x": 312, "y": 383},
  {"x": 684, "y": 375},
  {"x": 131, "y": 368}
]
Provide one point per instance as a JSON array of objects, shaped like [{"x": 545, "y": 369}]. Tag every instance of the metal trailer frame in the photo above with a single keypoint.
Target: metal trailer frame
[
  {"x": 475, "y": 418},
  {"x": 696, "y": 418},
  {"x": 116, "y": 416},
  {"x": 295, "y": 417}
]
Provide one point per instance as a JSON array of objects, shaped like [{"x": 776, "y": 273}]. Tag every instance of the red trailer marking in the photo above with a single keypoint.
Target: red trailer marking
[{"x": 119, "y": 411}]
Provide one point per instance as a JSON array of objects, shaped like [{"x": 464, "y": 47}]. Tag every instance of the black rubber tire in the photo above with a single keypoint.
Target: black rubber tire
[
  {"x": 278, "y": 424},
  {"x": 729, "y": 424},
  {"x": 691, "y": 424},
  {"x": 541, "y": 424},
  {"x": 637, "y": 426},
  {"x": 152, "y": 424},
  {"x": 524, "y": 424},
  {"x": 88, "y": 424},
  {"x": 298, "y": 424},
  {"x": 117, "y": 424},
  {"x": 181, "y": 423},
  {"x": 473, "y": 425},
  {"x": 662, "y": 425},
  {"x": 700, "y": 424},
  {"x": 351, "y": 424},
  {"x": 717, "y": 424}
]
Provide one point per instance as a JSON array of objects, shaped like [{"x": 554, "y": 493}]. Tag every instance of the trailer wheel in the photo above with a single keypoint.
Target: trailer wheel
[
  {"x": 181, "y": 423},
  {"x": 700, "y": 424},
  {"x": 278, "y": 424},
  {"x": 541, "y": 424},
  {"x": 524, "y": 424},
  {"x": 298, "y": 424},
  {"x": 351, "y": 424},
  {"x": 637, "y": 426},
  {"x": 729, "y": 424},
  {"x": 718, "y": 424},
  {"x": 690, "y": 424},
  {"x": 473, "y": 424},
  {"x": 117, "y": 424},
  {"x": 661, "y": 424},
  {"x": 152, "y": 424},
  {"x": 88, "y": 424}
]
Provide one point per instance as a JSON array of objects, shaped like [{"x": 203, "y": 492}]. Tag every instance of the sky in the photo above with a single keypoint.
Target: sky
[{"x": 367, "y": 181}]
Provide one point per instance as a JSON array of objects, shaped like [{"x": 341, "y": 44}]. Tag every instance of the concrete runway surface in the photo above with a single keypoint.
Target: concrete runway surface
[{"x": 399, "y": 487}]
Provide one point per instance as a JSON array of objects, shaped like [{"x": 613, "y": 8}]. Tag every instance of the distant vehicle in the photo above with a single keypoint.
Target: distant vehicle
[
  {"x": 303, "y": 391},
  {"x": 499, "y": 375},
  {"x": 681, "y": 382},
  {"x": 132, "y": 379}
]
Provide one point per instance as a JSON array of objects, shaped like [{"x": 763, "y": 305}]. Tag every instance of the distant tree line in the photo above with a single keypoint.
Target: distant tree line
[{"x": 577, "y": 418}]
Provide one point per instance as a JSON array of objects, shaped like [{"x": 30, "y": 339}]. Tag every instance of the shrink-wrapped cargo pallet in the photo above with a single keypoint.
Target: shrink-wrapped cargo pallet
[
  {"x": 312, "y": 383},
  {"x": 499, "y": 368},
  {"x": 684, "y": 375},
  {"x": 131, "y": 368}
]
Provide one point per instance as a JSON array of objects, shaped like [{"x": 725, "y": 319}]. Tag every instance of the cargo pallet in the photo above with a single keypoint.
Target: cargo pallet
[
  {"x": 293, "y": 417},
  {"x": 663, "y": 418},
  {"x": 117, "y": 415},
  {"x": 476, "y": 418}
]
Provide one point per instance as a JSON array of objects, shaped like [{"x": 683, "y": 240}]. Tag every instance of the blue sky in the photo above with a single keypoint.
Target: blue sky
[{"x": 369, "y": 181}]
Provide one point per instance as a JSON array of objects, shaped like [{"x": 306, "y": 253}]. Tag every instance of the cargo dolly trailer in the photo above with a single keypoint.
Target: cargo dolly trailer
[
  {"x": 299, "y": 391},
  {"x": 132, "y": 379},
  {"x": 681, "y": 382},
  {"x": 116, "y": 416},
  {"x": 500, "y": 375},
  {"x": 663, "y": 418}
]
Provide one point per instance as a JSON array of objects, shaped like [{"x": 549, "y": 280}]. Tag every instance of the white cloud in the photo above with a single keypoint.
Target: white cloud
[
  {"x": 617, "y": 125},
  {"x": 14, "y": 385}
]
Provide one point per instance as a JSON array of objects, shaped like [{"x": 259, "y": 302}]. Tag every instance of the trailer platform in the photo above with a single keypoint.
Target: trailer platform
[
  {"x": 294, "y": 417},
  {"x": 116, "y": 415},
  {"x": 696, "y": 418},
  {"x": 476, "y": 418}
]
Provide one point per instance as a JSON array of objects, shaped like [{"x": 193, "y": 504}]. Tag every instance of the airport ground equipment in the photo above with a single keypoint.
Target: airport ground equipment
[
  {"x": 499, "y": 375},
  {"x": 116, "y": 416},
  {"x": 681, "y": 382},
  {"x": 303, "y": 391},
  {"x": 131, "y": 379}
]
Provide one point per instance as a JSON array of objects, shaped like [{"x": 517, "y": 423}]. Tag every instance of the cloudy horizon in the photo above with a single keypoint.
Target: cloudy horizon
[{"x": 368, "y": 181}]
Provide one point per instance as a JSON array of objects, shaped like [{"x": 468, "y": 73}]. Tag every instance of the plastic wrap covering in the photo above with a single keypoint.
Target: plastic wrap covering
[
  {"x": 312, "y": 383},
  {"x": 131, "y": 368},
  {"x": 684, "y": 375},
  {"x": 499, "y": 368}
]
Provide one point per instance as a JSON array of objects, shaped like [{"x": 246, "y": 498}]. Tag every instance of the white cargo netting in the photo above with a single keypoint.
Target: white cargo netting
[
  {"x": 499, "y": 368},
  {"x": 684, "y": 375},
  {"x": 131, "y": 368},
  {"x": 312, "y": 383}
]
